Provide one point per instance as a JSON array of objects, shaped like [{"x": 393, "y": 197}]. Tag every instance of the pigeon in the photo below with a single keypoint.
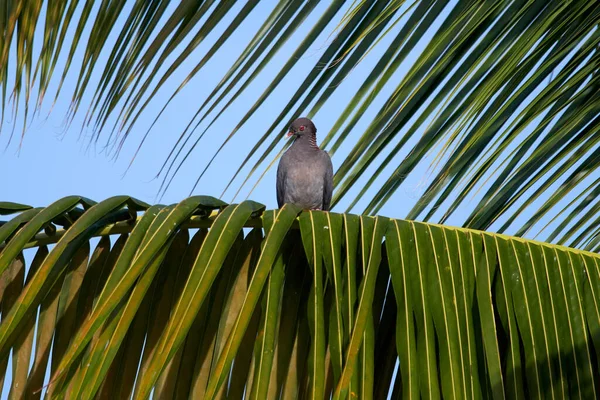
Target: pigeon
[{"x": 305, "y": 172}]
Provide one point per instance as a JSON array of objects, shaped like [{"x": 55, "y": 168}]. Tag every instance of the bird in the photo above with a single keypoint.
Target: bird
[{"x": 305, "y": 172}]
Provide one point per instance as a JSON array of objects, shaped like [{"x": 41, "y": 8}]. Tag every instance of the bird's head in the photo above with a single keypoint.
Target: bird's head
[{"x": 301, "y": 127}]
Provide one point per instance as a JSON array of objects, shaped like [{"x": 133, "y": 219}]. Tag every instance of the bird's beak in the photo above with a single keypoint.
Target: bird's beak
[{"x": 289, "y": 134}]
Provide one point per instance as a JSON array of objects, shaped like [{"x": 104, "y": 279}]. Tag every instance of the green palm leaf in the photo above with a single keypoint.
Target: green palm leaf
[
  {"x": 499, "y": 98},
  {"x": 324, "y": 305}
]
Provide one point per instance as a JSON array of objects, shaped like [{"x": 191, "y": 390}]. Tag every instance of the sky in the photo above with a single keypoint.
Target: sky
[{"x": 55, "y": 160}]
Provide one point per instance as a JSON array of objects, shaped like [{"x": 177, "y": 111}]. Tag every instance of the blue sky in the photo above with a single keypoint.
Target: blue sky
[{"x": 56, "y": 160}]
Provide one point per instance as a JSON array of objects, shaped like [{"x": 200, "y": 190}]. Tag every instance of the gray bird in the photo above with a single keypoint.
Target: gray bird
[{"x": 305, "y": 172}]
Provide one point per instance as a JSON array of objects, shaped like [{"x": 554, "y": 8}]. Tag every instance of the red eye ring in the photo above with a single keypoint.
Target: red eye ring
[{"x": 302, "y": 128}]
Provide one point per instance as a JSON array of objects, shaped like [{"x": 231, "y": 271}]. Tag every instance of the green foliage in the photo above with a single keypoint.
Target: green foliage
[
  {"x": 310, "y": 304},
  {"x": 499, "y": 97}
]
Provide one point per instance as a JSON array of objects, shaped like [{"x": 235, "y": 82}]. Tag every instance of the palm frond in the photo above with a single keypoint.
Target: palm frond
[
  {"x": 186, "y": 302},
  {"x": 500, "y": 98}
]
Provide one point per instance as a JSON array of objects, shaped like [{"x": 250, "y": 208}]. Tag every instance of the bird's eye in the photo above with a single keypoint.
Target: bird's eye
[{"x": 302, "y": 128}]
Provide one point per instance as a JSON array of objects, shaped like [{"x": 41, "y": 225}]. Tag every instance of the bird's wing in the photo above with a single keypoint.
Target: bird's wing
[
  {"x": 327, "y": 183},
  {"x": 280, "y": 185}
]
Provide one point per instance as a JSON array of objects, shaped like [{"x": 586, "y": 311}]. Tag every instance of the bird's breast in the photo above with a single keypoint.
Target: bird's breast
[{"x": 304, "y": 188}]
